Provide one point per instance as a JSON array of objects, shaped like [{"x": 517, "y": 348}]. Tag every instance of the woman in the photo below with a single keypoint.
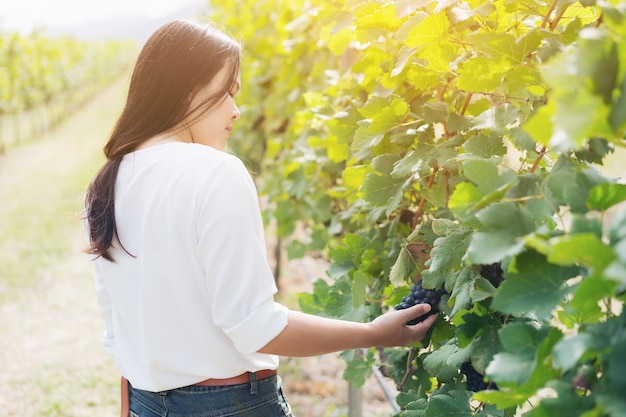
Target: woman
[{"x": 175, "y": 228}]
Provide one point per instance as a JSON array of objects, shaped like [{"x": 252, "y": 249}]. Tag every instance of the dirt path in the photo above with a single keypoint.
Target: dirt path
[{"x": 51, "y": 363}]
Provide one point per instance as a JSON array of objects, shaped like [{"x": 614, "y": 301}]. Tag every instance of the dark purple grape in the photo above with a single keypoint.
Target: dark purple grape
[
  {"x": 420, "y": 295},
  {"x": 474, "y": 380},
  {"x": 492, "y": 273}
]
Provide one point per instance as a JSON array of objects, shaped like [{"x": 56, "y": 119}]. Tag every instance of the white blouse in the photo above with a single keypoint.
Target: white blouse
[{"x": 196, "y": 298}]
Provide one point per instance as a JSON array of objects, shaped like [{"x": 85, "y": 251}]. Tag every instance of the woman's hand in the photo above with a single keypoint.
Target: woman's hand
[{"x": 391, "y": 329}]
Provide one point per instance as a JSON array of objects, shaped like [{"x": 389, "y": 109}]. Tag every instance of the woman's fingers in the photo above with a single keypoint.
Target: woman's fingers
[{"x": 416, "y": 311}]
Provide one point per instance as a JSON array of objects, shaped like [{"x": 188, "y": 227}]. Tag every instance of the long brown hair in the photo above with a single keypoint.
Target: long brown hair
[{"x": 178, "y": 60}]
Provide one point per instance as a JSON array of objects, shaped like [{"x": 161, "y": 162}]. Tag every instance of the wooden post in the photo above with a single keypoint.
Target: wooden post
[{"x": 355, "y": 401}]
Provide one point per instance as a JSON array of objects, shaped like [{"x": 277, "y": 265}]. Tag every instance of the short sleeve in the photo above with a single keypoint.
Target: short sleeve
[{"x": 232, "y": 252}]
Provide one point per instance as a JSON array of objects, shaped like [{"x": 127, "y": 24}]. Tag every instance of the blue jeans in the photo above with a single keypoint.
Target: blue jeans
[{"x": 258, "y": 398}]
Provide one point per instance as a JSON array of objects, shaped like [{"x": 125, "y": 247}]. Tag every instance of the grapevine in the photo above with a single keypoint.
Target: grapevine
[
  {"x": 473, "y": 129},
  {"x": 50, "y": 75}
]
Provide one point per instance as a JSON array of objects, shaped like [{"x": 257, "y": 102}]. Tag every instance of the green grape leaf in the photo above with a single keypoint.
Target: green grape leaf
[
  {"x": 521, "y": 338},
  {"x": 505, "y": 224},
  {"x": 410, "y": 163},
  {"x": 403, "y": 58},
  {"x": 354, "y": 176},
  {"x": 483, "y": 173},
  {"x": 522, "y": 139},
  {"x": 430, "y": 29},
  {"x": 364, "y": 139},
  {"x": 606, "y": 195},
  {"x": 505, "y": 47},
  {"x": 595, "y": 151},
  {"x": 485, "y": 146},
  {"x": 502, "y": 399},
  {"x": 617, "y": 228},
  {"x": 359, "y": 288},
  {"x": 569, "y": 350},
  {"x": 436, "y": 195},
  {"x": 359, "y": 369},
  {"x": 314, "y": 302},
  {"x": 296, "y": 249},
  {"x": 339, "y": 303},
  {"x": 618, "y": 114},
  {"x": 509, "y": 367},
  {"x": 584, "y": 248},
  {"x": 588, "y": 295},
  {"x": 448, "y": 250},
  {"x": 536, "y": 287},
  {"x": 385, "y": 113},
  {"x": 455, "y": 404},
  {"x": 481, "y": 74},
  {"x": 616, "y": 367},
  {"x": 496, "y": 118},
  {"x": 582, "y": 80},
  {"x": 481, "y": 290},
  {"x": 448, "y": 356},
  {"x": 507, "y": 217},
  {"x": 383, "y": 190},
  {"x": 370, "y": 15},
  {"x": 566, "y": 402},
  {"x": 473, "y": 323},
  {"x": 572, "y": 317},
  {"x": 438, "y": 55},
  {"x": 461, "y": 294},
  {"x": 403, "y": 268},
  {"x": 539, "y": 126},
  {"x": 384, "y": 163},
  {"x": 491, "y": 247},
  {"x": 464, "y": 199}
]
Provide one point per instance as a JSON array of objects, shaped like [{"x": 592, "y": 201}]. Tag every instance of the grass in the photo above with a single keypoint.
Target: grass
[
  {"x": 51, "y": 363},
  {"x": 41, "y": 183}
]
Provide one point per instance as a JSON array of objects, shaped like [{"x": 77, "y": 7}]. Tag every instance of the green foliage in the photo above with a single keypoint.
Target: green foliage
[
  {"x": 423, "y": 140},
  {"x": 36, "y": 70}
]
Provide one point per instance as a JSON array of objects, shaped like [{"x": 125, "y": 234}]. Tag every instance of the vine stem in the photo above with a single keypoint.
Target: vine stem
[
  {"x": 466, "y": 103},
  {"x": 420, "y": 207},
  {"x": 556, "y": 20},
  {"x": 409, "y": 370},
  {"x": 542, "y": 152},
  {"x": 546, "y": 18}
]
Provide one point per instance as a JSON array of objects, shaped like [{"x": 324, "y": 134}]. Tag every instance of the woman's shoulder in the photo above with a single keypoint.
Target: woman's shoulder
[
  {"x": 203, "y": 154},
  {"x": 209, "y": 162},
  {"x": 186, "y": 154}
]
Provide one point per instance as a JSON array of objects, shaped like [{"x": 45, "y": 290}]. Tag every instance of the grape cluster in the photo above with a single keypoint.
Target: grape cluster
[
  {"x": 492, "y": 273},
  {"x": 475, "y": 381},
  {"x": 420, "y": 295}
]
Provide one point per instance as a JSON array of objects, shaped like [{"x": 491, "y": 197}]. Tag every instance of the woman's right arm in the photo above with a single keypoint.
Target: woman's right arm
[{"x": 310, "y": 335}]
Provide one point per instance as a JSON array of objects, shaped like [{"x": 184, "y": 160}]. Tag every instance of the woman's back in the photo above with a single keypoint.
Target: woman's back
[{"x": 178, "y": 300}]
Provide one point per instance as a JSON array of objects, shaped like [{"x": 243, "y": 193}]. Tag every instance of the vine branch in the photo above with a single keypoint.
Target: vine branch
[
  {"x": 546, "y": 18},
  {"x": 410, "y": 370},
  {"x": 420, "y": 207},
  {"x": 540, "y": 156}
]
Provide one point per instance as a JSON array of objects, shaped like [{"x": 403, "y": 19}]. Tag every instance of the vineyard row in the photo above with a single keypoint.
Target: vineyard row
[{"x": 43, "y": 79}]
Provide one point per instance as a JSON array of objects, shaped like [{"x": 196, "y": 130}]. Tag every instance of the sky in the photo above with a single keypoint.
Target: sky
[{"x": 25, "y": 15}]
